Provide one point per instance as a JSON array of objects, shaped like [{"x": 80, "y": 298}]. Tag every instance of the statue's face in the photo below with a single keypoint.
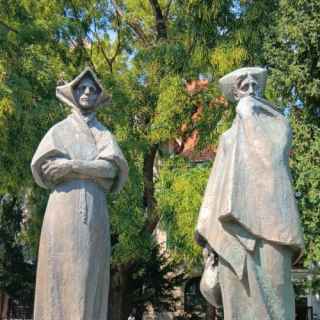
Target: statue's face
[
  {"x": 87, "y": 94},
  {"x": 247, "y": 87}
]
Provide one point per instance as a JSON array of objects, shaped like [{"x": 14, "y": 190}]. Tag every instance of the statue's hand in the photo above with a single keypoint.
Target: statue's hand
[
  {"x": 247, "y": 107},
  {"x": 54, "y": 170}
]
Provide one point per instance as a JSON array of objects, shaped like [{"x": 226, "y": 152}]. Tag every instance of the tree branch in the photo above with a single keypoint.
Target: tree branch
[
  {"x": 4, "y": 24},
  {"x": 167, "y": 10},
  {"x": 108, "y": 60},
  {"x": 105, "y": 55},
  {"x": 148, "y": 194},
  {"x": 118, "y": 46},
  {"x": 134, "y": 25},
  {"x": 160, "y": 20},
  {"x": 80, "y": 41}
]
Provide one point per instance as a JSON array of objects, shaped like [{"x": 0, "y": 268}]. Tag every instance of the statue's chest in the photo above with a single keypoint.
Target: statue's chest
[
  {"x": 229, "y": 139},
  {"x": 80, "y": 144}
]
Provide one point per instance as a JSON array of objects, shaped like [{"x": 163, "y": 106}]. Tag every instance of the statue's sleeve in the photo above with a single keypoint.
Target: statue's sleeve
[
  {"x": 112, "y": 152},
  {"x": 48, "y": 148}
]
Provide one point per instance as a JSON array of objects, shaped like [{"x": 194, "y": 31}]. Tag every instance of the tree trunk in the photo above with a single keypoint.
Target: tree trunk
[
  {"x": 159, "y": 19},
  {"x": 119, "y": 306},
  {"x": 4, "y": 305},
  {"x": 119, "y": 303},
  {"x": 149, "y": 200}
]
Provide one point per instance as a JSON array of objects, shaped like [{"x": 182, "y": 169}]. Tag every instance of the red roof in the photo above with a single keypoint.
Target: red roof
[{"x": 186, "y": 145}]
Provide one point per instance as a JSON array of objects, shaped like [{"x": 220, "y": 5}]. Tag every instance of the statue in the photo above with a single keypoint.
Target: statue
[
  {"x": 80, "y": 161},
  {"x": 249, "y": 219}
]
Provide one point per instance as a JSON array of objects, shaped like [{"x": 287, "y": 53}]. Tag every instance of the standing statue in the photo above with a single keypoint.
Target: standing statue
[
  {"x": 80, "y": 161},
  {"x": 249, "y": 219}
]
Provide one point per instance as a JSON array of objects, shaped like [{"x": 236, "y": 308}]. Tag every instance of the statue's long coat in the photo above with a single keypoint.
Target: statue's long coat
[
  {"x": 249, "y": 199},
  {"x": 74, "y": 254}
]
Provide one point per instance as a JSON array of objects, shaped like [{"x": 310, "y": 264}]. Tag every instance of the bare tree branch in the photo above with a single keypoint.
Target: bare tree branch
[
  {"x": 118, "y": 46},
  {"x": 134, "y": 25},
  {"x": 160, "y": 20},
  {"x": 117, "y": 51},
  {"x": 80, "y": 43},
  {"x": 167, "y": 10},
  {"x": 4, "y": 24}
]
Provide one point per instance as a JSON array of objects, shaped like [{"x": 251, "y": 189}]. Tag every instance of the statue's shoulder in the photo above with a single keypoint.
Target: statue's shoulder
[
  {"x": 67, "y": 122},
  {"x": 59, "y": 126},
  {"x": 228, "y": 138},
  {"x": 228, "y": 135},
  {"x": 100, "y": 126},
  {"x": 103, "y": 130}
]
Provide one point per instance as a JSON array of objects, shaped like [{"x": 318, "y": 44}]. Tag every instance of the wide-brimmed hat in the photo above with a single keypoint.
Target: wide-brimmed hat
[
  {"x": 229, "y": 81},
  {"x": 66, "y": 92}
]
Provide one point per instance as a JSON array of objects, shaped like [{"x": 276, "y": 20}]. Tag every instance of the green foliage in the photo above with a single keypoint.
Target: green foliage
[
  {"x": 129, "y": 241},
  {"x": 180, "y": 190},
  {"x": 16, "y": 275},
  {"x": 292, "y": 52},
  {"x": 171, "y": 110},
  {"x": 42, "y": 42},
  {"x": 145, "y": 61},
  {"x": 306, "y": 174},
  {"x": 253, "y": 27},
  {"x": 224, "y": 58},
  {"x": 153, "y": 283},
  {"x": 30, "y": 67},
  {"x": 156, "y": 104},
  {"x": 35, "y": 205}
]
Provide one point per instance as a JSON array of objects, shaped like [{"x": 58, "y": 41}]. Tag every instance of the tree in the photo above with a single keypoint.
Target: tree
[
  {"x": 16, "y": 275},
  {"x": 292, "y": 52},
  {"x": 152, "y": 283},
  {"x": 156, "y": 46},
  {"x": 144, "y": 52}
]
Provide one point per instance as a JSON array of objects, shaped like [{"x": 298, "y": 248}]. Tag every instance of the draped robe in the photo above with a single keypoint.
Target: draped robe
[
  {"x": 74, "y": 254},
  {"x": 249, "y": 216}
]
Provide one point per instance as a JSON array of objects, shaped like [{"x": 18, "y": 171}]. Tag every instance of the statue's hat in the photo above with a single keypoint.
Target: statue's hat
[
  {"x": 229, "y": 81},
  {"x": 66, "y": 92}
]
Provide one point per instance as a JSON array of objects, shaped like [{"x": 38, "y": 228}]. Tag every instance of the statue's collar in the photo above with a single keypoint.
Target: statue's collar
[
  {"x": 84, "y": 123},
  {"x": 87, "y": 118}
]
